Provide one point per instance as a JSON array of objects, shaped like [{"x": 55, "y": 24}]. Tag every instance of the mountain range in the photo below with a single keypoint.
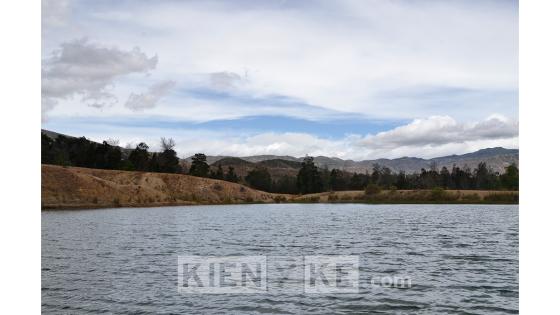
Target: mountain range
[{"x": 496, "y": 158}]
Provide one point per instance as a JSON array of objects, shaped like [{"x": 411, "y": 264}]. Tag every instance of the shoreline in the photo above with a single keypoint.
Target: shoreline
[
  {"x": 73, "y": 188},
  {"x": 89, "y": 207}
]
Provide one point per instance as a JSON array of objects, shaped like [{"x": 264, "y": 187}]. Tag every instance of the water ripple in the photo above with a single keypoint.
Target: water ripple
[{"x": 461, "y": 259}]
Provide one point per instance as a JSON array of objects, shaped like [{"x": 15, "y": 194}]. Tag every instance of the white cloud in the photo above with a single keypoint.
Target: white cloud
[
  {"x": 426, "y": 138},
  {"x": 349, "y": 56},
  {"x": 54, "y": 12},
  {"x": 149, "y": 99},
  {"x": 82, "y": 68},
  {"x": 225, "y": 80},
  {"x": 393, "y": 60},
  {"x": 442, "y": 130}
]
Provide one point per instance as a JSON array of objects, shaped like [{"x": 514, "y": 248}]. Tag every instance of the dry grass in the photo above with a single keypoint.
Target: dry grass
[{"x": 75, "y": 187}]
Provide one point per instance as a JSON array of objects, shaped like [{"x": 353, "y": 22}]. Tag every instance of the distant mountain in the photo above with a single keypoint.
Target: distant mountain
[
  {"x": 496, "y": 158},
  {"x": 259, "y": 158},
  {"x": 276, "y": 167}
]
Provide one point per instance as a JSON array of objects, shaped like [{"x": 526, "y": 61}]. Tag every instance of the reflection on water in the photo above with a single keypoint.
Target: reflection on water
[{"x": 458, "y": 258}]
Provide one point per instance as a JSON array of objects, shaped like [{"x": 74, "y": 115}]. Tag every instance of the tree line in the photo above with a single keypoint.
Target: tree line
[
  {"x": 310, "y": 178},
  {"x": 81, "y": 152}
]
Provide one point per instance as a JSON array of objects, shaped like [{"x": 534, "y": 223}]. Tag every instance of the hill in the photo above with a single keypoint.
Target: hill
[
  {"x": 495, "y": 158},
  {"x": 76, "y": 187},
  {"x": 276, "y": 167}
]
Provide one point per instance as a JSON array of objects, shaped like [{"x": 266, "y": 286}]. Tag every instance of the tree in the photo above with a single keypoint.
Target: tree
[
  {"x": 337, "y": 180},
  {"x": 308, "y": 178},
  {"x": 259, "y": 178},
  {"x": 199, "y": 167},
  {"x": 376, "y": 173},
  {"x": 485, "y": 178},
  {"x": 445, "y": 178},
  {"x": 48, "y": 154},
  {"x": 154, "y": 163},
  {"x": 167, "y": 144},
  {"x": 140, "y": 157},
  {"x": 401, "y": 182},
  {"x": 218, "y": 174},
  {"x": 510, "y": 179},
  {"x": 461, "y": 178},
  {"x": 325, "y": 178},
  {"x": 358, "y": 181},
  {"x": 167, "y": 160},
  {"x": 112, "y": 142},
  {"x": 386, "y": 177},
  {"x": 113, "y": 156},
  {"x": 81, "y": 152},
  {"x": 429, "y": 178},
  {"x": 285, "y": 185},
  {"x": 231, "y": 176}
]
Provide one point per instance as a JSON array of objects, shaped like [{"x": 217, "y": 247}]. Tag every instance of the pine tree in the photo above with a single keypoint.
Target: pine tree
[
  {"x": 308, "y": 178},
  {"x": 199, "y": 167}
]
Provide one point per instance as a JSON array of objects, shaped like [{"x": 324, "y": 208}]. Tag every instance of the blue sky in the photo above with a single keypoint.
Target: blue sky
[{"x": 351, "y": 79}]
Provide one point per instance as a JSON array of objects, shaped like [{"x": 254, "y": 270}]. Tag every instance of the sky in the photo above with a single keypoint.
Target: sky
[{"x": 348, "y": 79}]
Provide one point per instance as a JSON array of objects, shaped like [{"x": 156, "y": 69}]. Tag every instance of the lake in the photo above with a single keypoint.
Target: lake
[{"x": 454, "y": 259}]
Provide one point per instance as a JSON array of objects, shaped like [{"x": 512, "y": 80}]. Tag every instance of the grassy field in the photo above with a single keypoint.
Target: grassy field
[
  {"x": 78, "y": 188},
  {"x": 415, "y": 196}
]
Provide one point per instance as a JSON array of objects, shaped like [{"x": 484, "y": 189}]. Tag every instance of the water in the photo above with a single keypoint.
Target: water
[{"x": 461, "y": 259}]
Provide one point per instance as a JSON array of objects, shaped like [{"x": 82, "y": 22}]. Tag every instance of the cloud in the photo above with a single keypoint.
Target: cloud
[
  {"x": 442, "y": 130},
  {"x": 54, "y": 12},
  {"x": 380, "y": 59},
  {"x": 224, "y": 80},
  {"x": 301, "y": 144},
  {"x": 426, "y": 138},
  {"x": 138, "y": 102},
  {"x": 430, "y": 137},
  {"x": 392, "y": 60},
  {"x": 88, "y": 70}
]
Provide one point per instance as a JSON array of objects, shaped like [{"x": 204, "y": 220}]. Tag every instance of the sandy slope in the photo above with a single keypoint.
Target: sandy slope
[{"x": 75, "y": 187}]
